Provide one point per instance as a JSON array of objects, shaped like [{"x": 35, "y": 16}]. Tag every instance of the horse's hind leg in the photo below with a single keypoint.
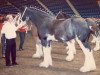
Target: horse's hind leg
[
  {"x": 71, "y": 51},
  {"x": 89, "y": 63},
  {"x": 94, "y": 39},
  {"x": 97, "y": 46}
]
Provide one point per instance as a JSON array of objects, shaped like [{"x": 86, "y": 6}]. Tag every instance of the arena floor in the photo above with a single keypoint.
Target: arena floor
[{"x": 30, "y": 66}]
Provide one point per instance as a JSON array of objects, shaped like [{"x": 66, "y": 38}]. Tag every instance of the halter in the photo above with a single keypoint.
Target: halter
[{"x": 23, "y": 13}]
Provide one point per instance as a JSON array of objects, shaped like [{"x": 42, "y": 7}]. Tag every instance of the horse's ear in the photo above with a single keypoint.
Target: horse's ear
[
  {"x": 30, "y": 6},
  {"x": 22, "y": 8}
]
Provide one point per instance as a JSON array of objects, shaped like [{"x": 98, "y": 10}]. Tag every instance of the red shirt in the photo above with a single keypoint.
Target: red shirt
[
  {"x": 1, "y": 25},
  {"x": 22, "y": 29}
]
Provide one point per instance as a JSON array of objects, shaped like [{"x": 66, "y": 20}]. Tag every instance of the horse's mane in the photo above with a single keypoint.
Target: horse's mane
[{"x": 41, "y": 10}]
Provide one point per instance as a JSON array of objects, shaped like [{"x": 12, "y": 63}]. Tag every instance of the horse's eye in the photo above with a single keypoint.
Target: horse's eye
[{"x": 27, "y": 18}]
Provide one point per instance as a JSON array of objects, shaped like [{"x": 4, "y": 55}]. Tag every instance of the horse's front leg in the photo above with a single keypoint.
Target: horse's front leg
[
  {"x": 73, "y": 45},
  {"x": 71, "y": 51},
  {"x": 39, "y": 51},
  {"x": 37, "y": 43},
  {"x": 47, "y": 61}
]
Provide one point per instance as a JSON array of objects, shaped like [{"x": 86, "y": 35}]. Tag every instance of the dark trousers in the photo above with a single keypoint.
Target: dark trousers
[
  {"x": 10, "y": 51},
  {"x": 22, "y": 38}
]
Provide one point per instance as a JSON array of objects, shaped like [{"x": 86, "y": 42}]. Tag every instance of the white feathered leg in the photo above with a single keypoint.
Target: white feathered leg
[
  {"x": 89, "y": 63},
  {"x": 71, "y": 51},
  {"x": 47, "y": 61},
  {"x": 39, "y": 51},
  {"x": 97, "y": 46},
  {"x": 94, "y": 39},
  {"x": 73, "y": 46}
]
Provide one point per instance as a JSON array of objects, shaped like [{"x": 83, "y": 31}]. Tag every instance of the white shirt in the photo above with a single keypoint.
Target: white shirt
[{"x": 9, "y": 29}]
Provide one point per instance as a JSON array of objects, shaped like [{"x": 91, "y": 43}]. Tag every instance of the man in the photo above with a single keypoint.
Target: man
[{"x": 9, "y": 29}]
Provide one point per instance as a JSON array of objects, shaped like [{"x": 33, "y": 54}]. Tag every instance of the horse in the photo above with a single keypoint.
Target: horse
[
  {"x": 39, "y": 52},
  {"x": 64, "y": 31}
]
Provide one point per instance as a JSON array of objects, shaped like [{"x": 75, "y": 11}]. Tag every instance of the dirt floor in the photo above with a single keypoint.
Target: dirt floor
[{"x": 30, "y": 66}]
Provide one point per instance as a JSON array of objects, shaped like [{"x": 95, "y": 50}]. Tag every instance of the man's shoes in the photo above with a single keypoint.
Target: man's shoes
[
  {"x": 14, "y": 64},
  {"x": 20, "y": 49},
  {"x": 3, "y": 55},
  {"x": 8, "y": 65}
]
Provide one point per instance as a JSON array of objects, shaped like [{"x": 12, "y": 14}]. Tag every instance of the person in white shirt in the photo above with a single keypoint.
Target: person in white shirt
[{"x": 9, "y": 29}]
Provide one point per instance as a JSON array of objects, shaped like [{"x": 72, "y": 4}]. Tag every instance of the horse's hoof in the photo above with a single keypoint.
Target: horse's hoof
[
  {"x": 68, "y": 52},
  {"x": 93, "y": 41},
  {"x": 69, "y": 58},
  {"x": 43, "y": 64},
  {"x": 36, "y": 56},
  {"x": 95, "y": 49},
  {"x": 67, "y": 48},
  {"x": 87, "y": 69}
]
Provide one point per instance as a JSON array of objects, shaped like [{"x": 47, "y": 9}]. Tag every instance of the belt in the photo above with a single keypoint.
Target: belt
[{"x": 10, "y": 39}]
